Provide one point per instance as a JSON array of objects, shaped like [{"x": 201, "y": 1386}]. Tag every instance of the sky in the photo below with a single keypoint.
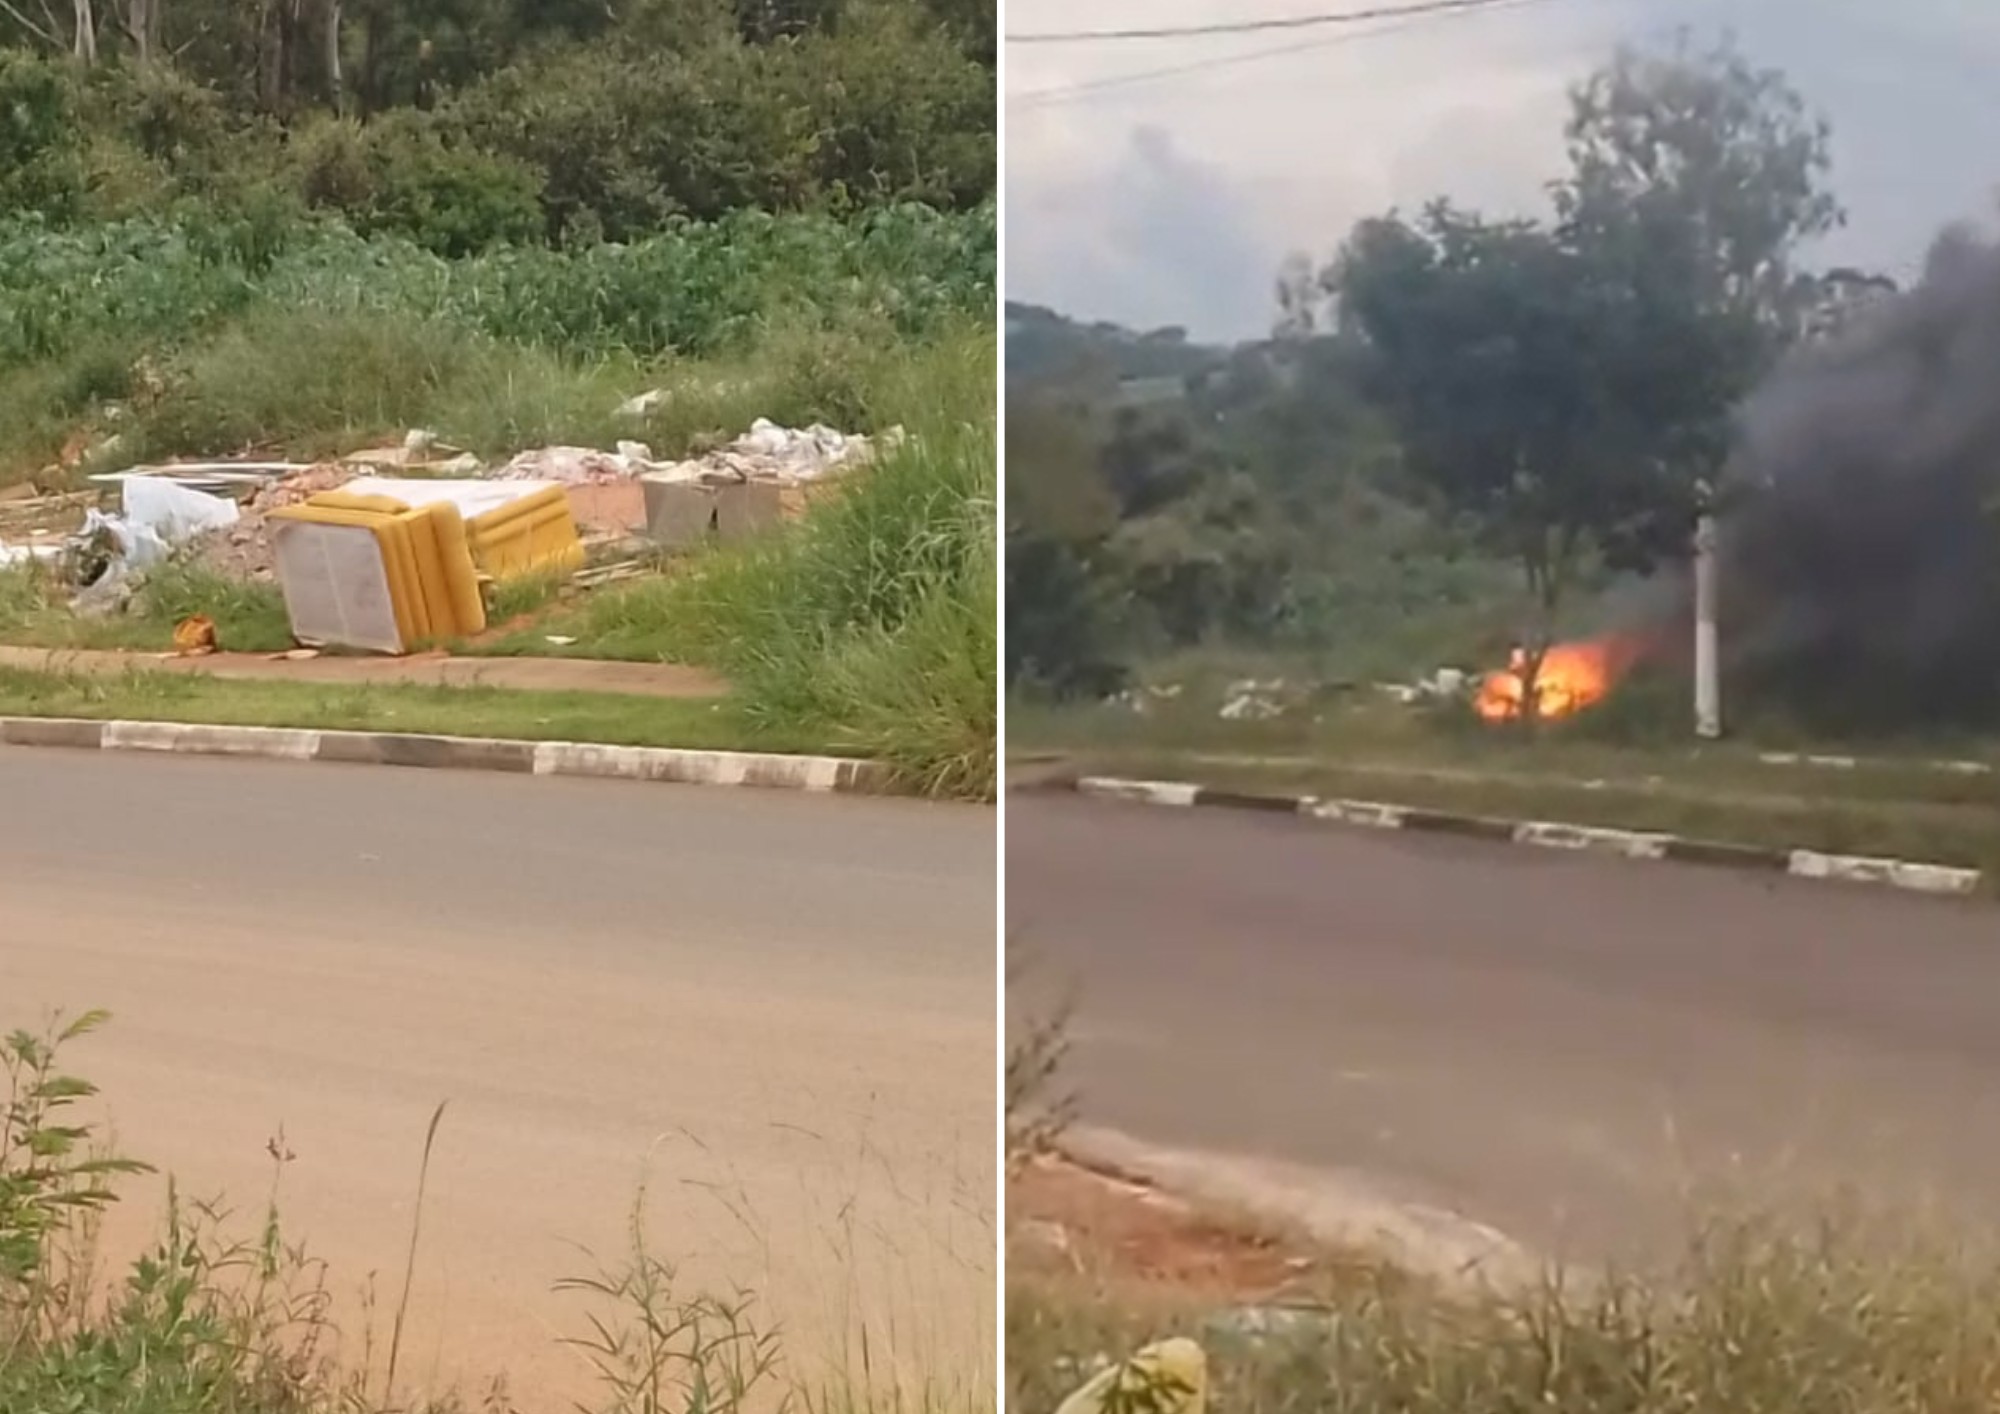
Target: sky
[{"x": 1174, "y": 200}]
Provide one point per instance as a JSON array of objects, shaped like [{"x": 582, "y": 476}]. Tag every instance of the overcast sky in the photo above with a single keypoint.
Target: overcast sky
[{"x": 1173, "y": 201}]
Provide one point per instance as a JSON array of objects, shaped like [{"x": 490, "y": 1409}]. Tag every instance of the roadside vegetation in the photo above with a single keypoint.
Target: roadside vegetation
[
  {"x": 1758, "y": 1317},
  {"x": 1926, "y": 798},
  {"x": 231, "y": 232},
  {"x": 210, "y": 1319},
  {"x": 616, "y": 719},
  {"x": 1779, "y": 1311}
]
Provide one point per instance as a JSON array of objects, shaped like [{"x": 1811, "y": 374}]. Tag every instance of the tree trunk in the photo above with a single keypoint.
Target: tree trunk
[
  {"x": 142, "y": 26},
  {"x": 86, "y": 32},
  {"x": 270, "y": 54},
  {"x": 336, "y": 88}
]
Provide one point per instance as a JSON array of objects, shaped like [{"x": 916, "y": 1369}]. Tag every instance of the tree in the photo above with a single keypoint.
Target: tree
[
  {"x": 1062, "y": 609},
  {"x": 1696, "y": 178},
  {"x": 1509, "y": 363}
]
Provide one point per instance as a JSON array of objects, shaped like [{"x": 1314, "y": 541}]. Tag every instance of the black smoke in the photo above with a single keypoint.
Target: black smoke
[{"x": 1860, "y": 542}]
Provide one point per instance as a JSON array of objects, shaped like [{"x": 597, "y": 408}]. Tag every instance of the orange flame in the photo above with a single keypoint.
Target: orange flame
[{"x": 1573, "y": 676}]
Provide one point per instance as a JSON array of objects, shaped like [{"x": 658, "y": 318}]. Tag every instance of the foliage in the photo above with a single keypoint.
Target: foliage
[
  {"x": 1569, "y": 391},
  {"x": 871, "y": 623},
  {"x": 203, "y": 1321},
  {"x": 40, "y": 161},
  {"x": 48, "y": 1175},
  {"x": 461, "y": 124},
  {"x": 1759, "y": 1314},
  {"x": 692, "y": 289},
  {"x": 1501, "y": 355}
]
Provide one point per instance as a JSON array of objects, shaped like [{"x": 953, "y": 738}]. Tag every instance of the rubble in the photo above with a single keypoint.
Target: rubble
[
  {"x": 1249, "y": 700},
  {"x": 784, "y": 454},
  {"x": 760, "y": 479},
  {"x": 222, "y": 508},
  {"x": 243, "y": 550}
]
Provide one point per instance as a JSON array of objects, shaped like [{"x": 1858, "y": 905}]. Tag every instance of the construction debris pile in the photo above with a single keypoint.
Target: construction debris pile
[
  {"x": 397, "y": 545},
  {"x": 768, "y": 475}
]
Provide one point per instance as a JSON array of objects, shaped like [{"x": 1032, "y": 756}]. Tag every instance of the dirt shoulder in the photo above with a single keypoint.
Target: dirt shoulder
[{"x": 670, "y": 680}]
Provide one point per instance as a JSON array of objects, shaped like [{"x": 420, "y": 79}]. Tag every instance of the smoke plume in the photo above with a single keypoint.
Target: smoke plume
[{"x": 1860, "y": 555}]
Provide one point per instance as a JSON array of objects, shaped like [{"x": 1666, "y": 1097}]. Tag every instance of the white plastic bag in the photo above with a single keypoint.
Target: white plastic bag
[{"x": 172, "y": 512}]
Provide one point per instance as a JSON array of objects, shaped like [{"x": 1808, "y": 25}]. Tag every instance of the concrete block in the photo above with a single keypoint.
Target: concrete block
[
  {"x": 749, "y": 509},
  {"x": 679, "y": 514}
]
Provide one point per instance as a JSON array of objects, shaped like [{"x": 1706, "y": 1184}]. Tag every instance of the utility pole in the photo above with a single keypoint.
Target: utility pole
[{"x": 1707, "y": 678}]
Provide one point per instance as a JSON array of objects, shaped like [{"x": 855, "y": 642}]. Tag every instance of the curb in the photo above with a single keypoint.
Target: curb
[
  {"x": 672, "y": 765},
  {"x": 1628, "y": 844}
]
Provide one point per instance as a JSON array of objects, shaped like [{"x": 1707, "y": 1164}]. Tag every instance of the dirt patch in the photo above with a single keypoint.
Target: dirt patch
[
  {"x": 671, "y": 680},
  {"x": 1067, "y": 1219}
]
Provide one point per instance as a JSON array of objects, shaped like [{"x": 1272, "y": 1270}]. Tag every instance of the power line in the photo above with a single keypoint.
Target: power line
[
  {"x": 1045, "y": 97},
  {"x": 1286, "y": 22}
]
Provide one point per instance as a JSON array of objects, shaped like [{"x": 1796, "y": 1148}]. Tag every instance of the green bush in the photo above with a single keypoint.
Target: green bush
[
  {"x": 696, "y": 289},
  {"x": 41, "y": 157},
  {"x": 400, "y": 177}
]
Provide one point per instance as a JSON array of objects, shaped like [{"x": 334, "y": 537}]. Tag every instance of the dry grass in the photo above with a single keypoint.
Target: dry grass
[
  {"x": 207, "y": 1321},
  {"x": 1760, "y": 1318}
]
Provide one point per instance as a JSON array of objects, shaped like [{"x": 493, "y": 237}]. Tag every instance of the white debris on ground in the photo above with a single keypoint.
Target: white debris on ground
[
  {"x": 167, "y": 507},
  {"x": 1445, "y": 683},
  {"x": 14, "y": 556},
  {"x": 1142, "y": 700},
  {"x": 653, "y": 399},
  {"x": 159, "y": 515},
  {"x": 1248, "y": 700},
  {"x": 572, "y": 466},
  {"x": 766, "y": 452}
]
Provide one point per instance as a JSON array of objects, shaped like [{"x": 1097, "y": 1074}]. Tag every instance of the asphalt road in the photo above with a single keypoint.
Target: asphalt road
[
  {"x": 1583, "y": 1053},
  {"x": 777, "y": 1009}
]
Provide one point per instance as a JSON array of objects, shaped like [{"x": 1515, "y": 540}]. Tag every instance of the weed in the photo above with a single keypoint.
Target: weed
[
  {"x": 1036, "y": 1111},
  {"x": 1760, "y": 1315},
  {"x": 205, "y": 1323},
  {"x": 677, "y": 1349}
]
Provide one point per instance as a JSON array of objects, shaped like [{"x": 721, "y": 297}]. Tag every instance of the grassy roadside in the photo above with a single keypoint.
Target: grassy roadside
[
  {"x": 249, "y": 618},
  {"x": 1763, "y": 1313},
  {"x": 1895, "y": 801},
  {"x": 217, "y": 1317},
  {"x": 613, "y": 719},
  {"x": 871, "y": 623},
  {"x": 868, "y": 629},
  {"x": 1757, "y": 1317}
]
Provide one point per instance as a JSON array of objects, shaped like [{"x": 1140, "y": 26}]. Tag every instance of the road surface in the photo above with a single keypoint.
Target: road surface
[
  {"x": 1579, "y": 1052},
  {"x": 780, "y": 1007}
]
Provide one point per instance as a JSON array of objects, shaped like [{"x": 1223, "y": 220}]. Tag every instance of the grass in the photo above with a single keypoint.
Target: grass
[
  {"x": 204, "y": 1321},
  {"x": 184, "y": 344},
  {"x": 869, "y": 629},
  {"x": 249, "y": 618},
  {"x": 613, "y": 719},
  {"x": 873, "y": 621},
  {"x": 1763, "y": 1313},
  {"x": 1760, "y": 1318},
  {"x": 1616, "y": 766}
]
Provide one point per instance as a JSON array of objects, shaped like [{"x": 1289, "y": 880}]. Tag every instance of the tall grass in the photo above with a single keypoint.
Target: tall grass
[
  {"x": 872, "y": 622},
  {"x": 1774, "y": 1312},
  {"x": 693, "y": 289},
  {"x": 186, "y": 338},
  {"x": 205, "y": 1321},
  {"x": 1762, "y": 1317}
]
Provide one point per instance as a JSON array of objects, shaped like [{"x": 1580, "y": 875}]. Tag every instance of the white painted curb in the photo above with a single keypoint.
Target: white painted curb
[{"x": 1143, "y": 792}]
